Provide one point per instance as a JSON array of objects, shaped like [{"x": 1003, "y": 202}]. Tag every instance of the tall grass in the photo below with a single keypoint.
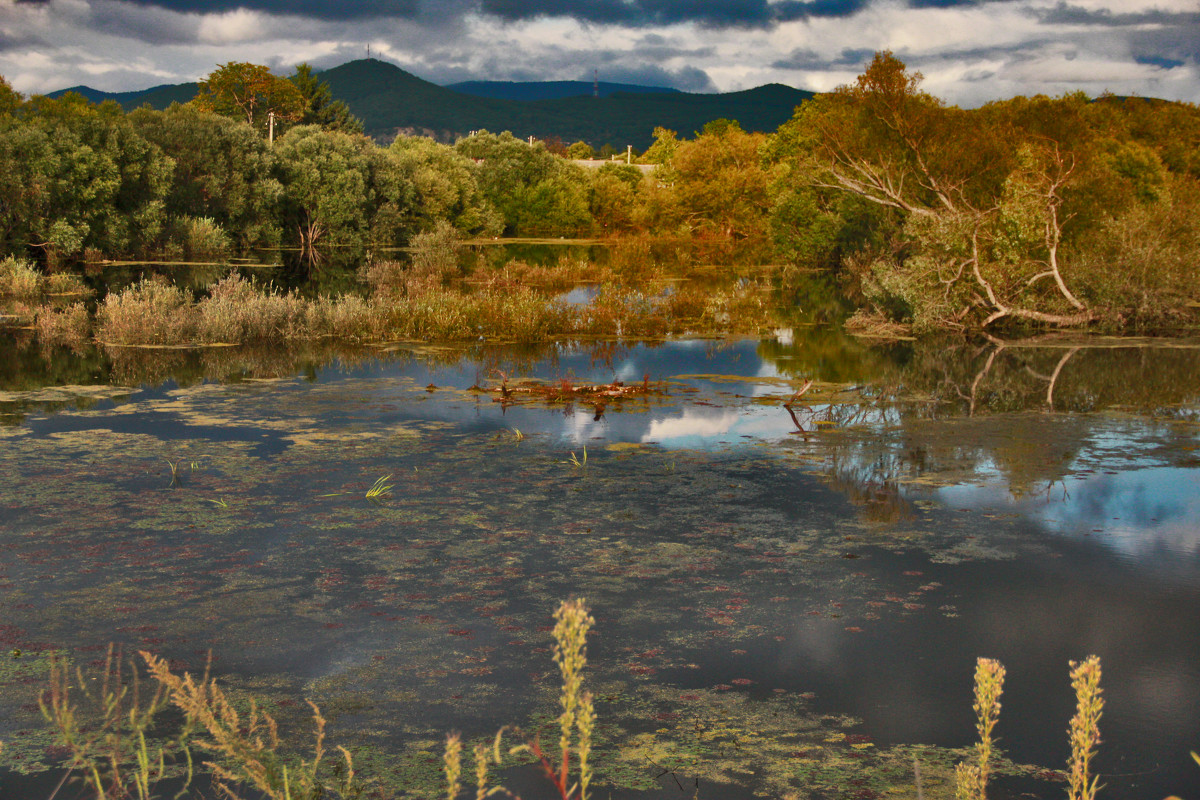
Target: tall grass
[
  {"x": 19, "y": 279},
  {"x": 149, "y": 312},
  {"x": 72, "y": 326}
]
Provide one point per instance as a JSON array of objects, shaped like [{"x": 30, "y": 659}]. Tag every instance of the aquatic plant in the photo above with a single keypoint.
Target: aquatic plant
[
  {"x": 972, "y": 779},
  {"x": 18, "y": 278},
  {"x": 71, "y": 326},
  {"x": 1085, "y": 728},
  {"x": 105, "y": 731},
  {"x": 248, "y": 744},
  {"x": 577, "y": 462},
  {"x": 380, "y": 489}
]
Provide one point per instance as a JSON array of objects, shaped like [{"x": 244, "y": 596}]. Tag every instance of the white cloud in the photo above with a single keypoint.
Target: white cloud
[{"x": 969, "y": 54}]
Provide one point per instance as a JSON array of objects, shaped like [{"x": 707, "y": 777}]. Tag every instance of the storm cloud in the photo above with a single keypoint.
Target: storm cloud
[{"x": 970, "y": 51}]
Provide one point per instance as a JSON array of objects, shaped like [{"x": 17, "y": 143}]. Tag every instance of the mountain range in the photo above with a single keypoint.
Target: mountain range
[{"x": 391, "y": 101}]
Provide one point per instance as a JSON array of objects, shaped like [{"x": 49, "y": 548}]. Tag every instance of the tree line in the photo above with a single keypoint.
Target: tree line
[{"x": 1045, "y": 211}]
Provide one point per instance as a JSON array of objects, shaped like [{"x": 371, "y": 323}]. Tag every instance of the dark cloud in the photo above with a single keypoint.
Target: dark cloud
[
  {"x": 1159, "y": 61},
  {"x": 810, "y": 60},
  {"x": 797, "y": 9},
  {"x": 715, "y": 13},
  {"x": 146, "y": 25},
  {"x": 1066, "y": 14},
  {"x": 316, "y": 9},
  {"x": 709, "y": 13}
]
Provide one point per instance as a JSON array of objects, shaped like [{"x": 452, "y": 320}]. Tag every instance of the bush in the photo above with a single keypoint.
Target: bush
[
  {"x": 150, "y": 312},
  {"x": 71, "y": 326},
  {"x": 237, "y": 311},
  {"x": 203, "y": 239},
  {"x": 18, "y": 278},
  {"x": 435, "y": 253}
]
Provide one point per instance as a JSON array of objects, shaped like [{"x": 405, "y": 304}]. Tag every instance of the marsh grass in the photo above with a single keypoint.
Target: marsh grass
[
  {"x": 104, "y": 724},
  {"x": 72, "y": 326},
  {"x": 151, "y": 312},
  {"x": 19, "y": 279},
  {"x": 411, "y": 304}
]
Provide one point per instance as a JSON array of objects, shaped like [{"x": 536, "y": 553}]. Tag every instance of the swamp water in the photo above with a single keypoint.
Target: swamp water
[{"x": 787, "y": 599}]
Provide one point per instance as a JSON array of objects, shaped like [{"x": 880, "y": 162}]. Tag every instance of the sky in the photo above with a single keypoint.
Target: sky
[{"x": 969, "y": 51}]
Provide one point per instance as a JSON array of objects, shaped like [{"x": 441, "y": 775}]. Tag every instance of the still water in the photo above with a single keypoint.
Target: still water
[{"x": 790, "y": 589}]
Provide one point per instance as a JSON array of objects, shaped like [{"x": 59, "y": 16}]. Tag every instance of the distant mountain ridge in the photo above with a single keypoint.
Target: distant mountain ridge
[{"x": 390, "y": 101}]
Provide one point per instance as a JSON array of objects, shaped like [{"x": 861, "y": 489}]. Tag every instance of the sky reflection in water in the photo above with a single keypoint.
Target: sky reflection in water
[{"x": 861, "y": 561}]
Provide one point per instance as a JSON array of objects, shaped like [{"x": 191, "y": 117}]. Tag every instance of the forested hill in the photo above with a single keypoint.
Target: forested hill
[
  {"x": 551, "y": 90},
  {"x": 390, "y": 100}
]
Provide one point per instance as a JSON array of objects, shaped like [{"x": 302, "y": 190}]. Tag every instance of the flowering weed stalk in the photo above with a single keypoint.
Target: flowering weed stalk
[
  {"x": 1085, "y": 728},
  {"x": 972, "y": 779}
]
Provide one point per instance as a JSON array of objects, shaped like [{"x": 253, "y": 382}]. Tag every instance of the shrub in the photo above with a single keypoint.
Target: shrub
[
  {"x": 72, "y": 326},
  {"x": 66, "y": 283},
  {"x": 150, "y": 312},
  {"x": 237, "y": 311},
  {"x": 435, "y": 252},
  {"x": 18, "y": 278},
  {"x": 203, "y": 238}
]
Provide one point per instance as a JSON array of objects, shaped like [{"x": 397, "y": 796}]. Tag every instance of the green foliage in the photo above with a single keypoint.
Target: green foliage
[
  {"x": 536, "y": 193},
  {"x": 581, "y": 150},
  {"x": 222, "y": 171},
  {"x": 446, "y": 186},
  {"x": 78, "y": 176},
  {"x": 319, "y": 107},
  {"x": 328, "y": 194},
  {"x": 720, "y": 182},
  {"x": 251, "y": 93}
]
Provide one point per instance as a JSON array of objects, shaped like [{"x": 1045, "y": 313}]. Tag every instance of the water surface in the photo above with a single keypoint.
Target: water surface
[{"x": 788, "y": 597}]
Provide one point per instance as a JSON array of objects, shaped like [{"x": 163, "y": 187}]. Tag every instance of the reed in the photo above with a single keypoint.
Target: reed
[{"x": 71, "y": 326}]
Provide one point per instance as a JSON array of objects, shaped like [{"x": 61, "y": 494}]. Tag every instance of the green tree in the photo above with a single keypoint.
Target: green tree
[
  {"x": 534, "y": 191},
  {"x": 10, "y": 100},
  {"x": 223, "y": 171},
  {"x": 581, "y": 150},
  {"x": 720, "y": 181},
  {"x": 446, "y": 184},
  {"x": 78, "y": 176},
  {"x": 338, "y": 191},
  {"x": 319, "y": 107},
  {"x": 251, "y": 93}
]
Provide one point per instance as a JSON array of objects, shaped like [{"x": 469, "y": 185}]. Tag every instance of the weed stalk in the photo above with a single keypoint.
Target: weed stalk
[{"x": 1085, "y": 728}]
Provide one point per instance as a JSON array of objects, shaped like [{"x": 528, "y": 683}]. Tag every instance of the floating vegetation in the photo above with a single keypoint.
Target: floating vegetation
[{"x": 715, "y": 565}]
